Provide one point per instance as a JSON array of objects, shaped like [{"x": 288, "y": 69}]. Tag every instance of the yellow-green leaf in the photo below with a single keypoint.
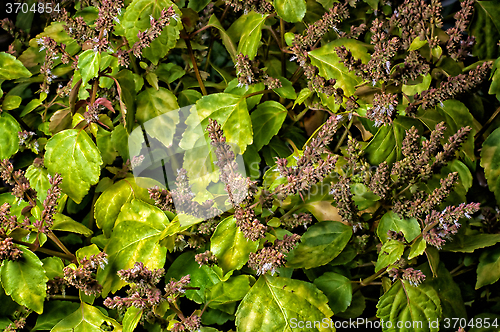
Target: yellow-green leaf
[{"x": 74, "y": 155}]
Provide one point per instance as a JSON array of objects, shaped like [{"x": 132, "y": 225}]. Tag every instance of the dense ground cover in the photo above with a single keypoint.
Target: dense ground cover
[{"x": 250, "y": 165}]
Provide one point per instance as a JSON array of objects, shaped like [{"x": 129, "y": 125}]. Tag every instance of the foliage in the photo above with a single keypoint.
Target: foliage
[{"x": 250, "y": 165}]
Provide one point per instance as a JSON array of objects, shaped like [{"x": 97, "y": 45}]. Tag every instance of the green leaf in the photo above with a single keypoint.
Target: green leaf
[
  {"x": 188, "y": 97},
  {"x": 386, "y": 145},
  {"x": 330, "y": 66},
  {"x": 230, "y": 246},
  {"x": 65, "y": 223},
  {"x": 87, "y": 318},
  {"x": 488, "y": 269},
  {"x": 158, "y": 105},
  {"x": 39, "y": 180},
  {"x": 74, "y": 155},
  {"x": 232, "y": 290},
  {"x": 54, "y": 312},
  {"x": 448, "y": 291},
  {"x": 131, "y": 319},
  {"x": 303, "y": 95},
  {"x": 490, "y": 161},
  {"x": 337, "y": 288},
  {"x": 456, "y": 116},
  {"x": 392, "y": 221},
  {"x": 53, "y": 267},
  {"x": 417, "y": 248},
  {"x": 417, "y": 43},
  {"x": 276, "y": 303},
  {"x": 485, "y": 27},
  {"x": 136, "y": 18},
  {"x": 9, "y": 141},
  {"x": 390, "y": 252},
  {"x": 229, "y": 110},
  {"x": 413, "y": 89},
  {"x": 11, "y": 68},
  {"x": 134, "y": 238},
  {"x": 406, "y": 303},
  {"x": 471, "y": 242},
  {"x": 232, "y": 114},
  {"x": 286, "y": 91},
  {"x": 106, "y": 146},
  {"x": 152, "y": 103},
  {"x": 169, "y": 72},
  {"x": 109, "y": 204},
  {"x": 234, "y": 88},
  {"x": 267, "y": 120},
  {"x": 290, "y": 10},
  {"x": 321, "y": 243},
  {"x": 198, "y": 5},
  {"x": 203, "y": 277},
  {"x": 251, "y": 34},
  {"x": 119, "y": 138},
  {"x": 11, "y": 102},
  {"x": 25, "y": 280},
  {"x": 229, "y": 44},
  {"x": 88, "y": 63},
  {"x": 495, "y": 80}
]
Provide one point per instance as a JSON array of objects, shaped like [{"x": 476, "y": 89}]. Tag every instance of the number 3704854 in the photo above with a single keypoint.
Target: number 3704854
[{"x": 37, "y": 7}]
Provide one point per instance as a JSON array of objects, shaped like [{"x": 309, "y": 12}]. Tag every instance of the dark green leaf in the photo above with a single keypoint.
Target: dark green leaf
[
  {"x": 386, "y": 145},
  {"x": 266, "y": 121},
  {"x": 488, "y": 270},
  {"x": 203, "y": 277},
  {"x": 406, "y": 303},
  {"x": 321, "y": 243},
  {"x": 392, "y": 221},
  {"x": 490, "y": 161},
  {"x": 337, "y": 288},
  {"x": 54, "y": 312}
]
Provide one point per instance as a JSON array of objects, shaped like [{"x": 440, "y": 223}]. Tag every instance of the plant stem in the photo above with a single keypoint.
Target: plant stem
[
  {"x": 367, "y": 281},
  {"x": 486, "y": 125},
  {"x": 195, "y": 66},
  {"x": 282, "y": 35},
  {"x": 344, "y": 135}
]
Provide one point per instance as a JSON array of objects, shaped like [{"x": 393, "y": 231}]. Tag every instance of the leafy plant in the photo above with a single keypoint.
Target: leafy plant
[{"x": 250, "y": 165}]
